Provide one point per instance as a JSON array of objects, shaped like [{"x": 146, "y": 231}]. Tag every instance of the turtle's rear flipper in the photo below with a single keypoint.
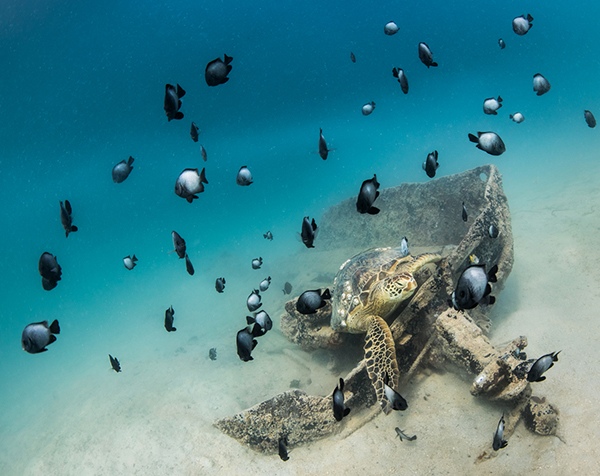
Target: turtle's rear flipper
[{"x": 380, "y": 356}]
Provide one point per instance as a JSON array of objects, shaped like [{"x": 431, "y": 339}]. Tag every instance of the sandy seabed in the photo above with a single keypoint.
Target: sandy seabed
[{"x": 155, "y": 418}]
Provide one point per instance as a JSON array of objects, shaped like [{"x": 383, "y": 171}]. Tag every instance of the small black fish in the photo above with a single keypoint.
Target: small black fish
[
  {"x": 66, "y": 217},
  {"x": 540, "y": 84},
  {"x": 253, "y": 301},
  {"x": 339, "y": 407},
  {"x": 396, "y": 400},
  {"x": 189, "y": 266},
  {"x": 493, "y": 231},
  {"x": 403, "y": 436},
  {"x": 399, "y": 74},
  {"x": 426, "y": 56},
  {"x": 49, "y": 270},
  {"x": 169, "y": 317},
  {"x": 368, "y": 108},
  {"x": 203, "y": 153},
  {"x": 114, "y": 363},
  {"x": 257, "y": 263},
  {"x": 217, "y": 70},
  {"x": 308, "y": 232},
  {"x": 310, "y": 301},
  {"x": 283, "y": 452},
  {"x": 212, "y": 353},
  {"x": 431, "y": 164},
  {"x": 489, "y": 142},
  {"x": 521, "y": 25},
  {"x": 352, "y": 57},
  {"x": 262, "y": 323},
  {"x": 122, "y": 170},
  {"x": 491, "y": 105},
  {"x": 590, "y": 120},
  {"x": 244, "y": 176},
  {"x": 474, "y": 288},
  {"x": 465, "y": 216},
  {"x": 499, "y": 441},
  {"x": 194, "y": 130},
  {"x": 38, "y": 335},
  {"x": 220, "y": 285},
  {"x": 323, "y": 150},
  {"x": 404, "y": 246},
  {"x": 390, "y": 28},
  {"x": 501, "y": 43},
  {"x": 178, "y": 244},
  {"x": 189, "y": 183},
  {"x": 367, "y": 194},
  {"x": 264, "y": 284},
  {"x": 268, "y": 236},
  {"x": 287, "y": 288},
  {"x": 542, "y": 364},
  {"x": 130, "y": 262},
  {"x": 245, "y": 344},
  {"x": 173, "y": 97}
]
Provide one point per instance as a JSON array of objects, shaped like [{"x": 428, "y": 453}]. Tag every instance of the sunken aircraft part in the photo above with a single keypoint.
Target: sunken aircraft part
[{"x": 426, "y": 329}]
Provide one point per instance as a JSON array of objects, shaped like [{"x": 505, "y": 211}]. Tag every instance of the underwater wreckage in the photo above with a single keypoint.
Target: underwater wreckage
[{"x": 426, "y": 329}]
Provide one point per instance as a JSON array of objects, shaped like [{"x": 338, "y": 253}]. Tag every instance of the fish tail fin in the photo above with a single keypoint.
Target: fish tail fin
[
  {"x": 326, "y": 294},
  {"x": 250, "y": 320},
  {"x": 74, "y": 229},
  {"x": 473, "y": 138},
  {"x": 492, "y": 274},
  {"x": 54, "y": 327},
  {"x": 130, "y": 161},
  {"x": 203, "y": 176}
]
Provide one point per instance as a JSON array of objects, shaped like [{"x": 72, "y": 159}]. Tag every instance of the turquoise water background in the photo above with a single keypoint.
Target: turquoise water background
[{"x": 82, "y": 89}]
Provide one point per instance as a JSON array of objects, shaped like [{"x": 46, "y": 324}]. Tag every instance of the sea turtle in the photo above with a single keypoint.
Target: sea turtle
[{"x": 367, "y": 289}]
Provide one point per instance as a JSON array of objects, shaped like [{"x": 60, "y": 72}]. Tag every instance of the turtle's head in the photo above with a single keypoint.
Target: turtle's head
[{"x": 400, "y": 286}]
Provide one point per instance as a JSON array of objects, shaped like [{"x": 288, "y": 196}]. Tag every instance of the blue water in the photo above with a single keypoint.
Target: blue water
[{"x": 82, "y": 89}]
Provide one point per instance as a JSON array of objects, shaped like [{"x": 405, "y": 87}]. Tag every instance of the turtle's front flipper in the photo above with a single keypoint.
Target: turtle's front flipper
[{"x": 380, "y": 355}]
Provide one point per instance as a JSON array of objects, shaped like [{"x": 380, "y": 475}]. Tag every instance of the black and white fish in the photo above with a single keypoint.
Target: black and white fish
[
  {"x": 323, "y": 150},
  {"x": 491, "y": 105},
  {"x": 309, "y": 231},
  {"x": 390, "y": 28},
  {"x": 590, "y": 120},
  {"x": 499, "y": 441},
  {"x": 352, "y": 57},
  {"x": 287, "y": 288},
  {"x": 114, "y": 363},
  {"x": 130, "y": 262},
  {"x": 261, "y": 323},
  {"x": 403, "y": 436},
  {"x": 540, "y": 84},
  {"x": 396, "y": 400},
  {"x": 368, "y": 108},
  {"x": 49, "y": 270},
  {"x": 465, "y": 215},
  {"x": 37, "y": 335},
  {"x": 404, "y": 246},
  {"x": 473, "y": 287},
  {"x": 189, "y": 266},
  {"x": 217, "y": 70},
  {"x": 282, "y": 444},
  {"x": 246, "y": 343},
  {"x": 310, "y": 301},
  {"x": 264, "y": 284},
  {"x": 212, "y": 353},
  {"x": 173, "y": 97},
  {"x": 257, "y": 262},
  {"x": 431, "y": 165},
  {"x": 426, "y": 56},
  {"x": 368, "y": 193},
  {"x": 244, "y": 176},
  {"x": 489, "y": 142},
  {"x": 339, "y": 407},
  {"x": 399, "y": 74},
  {"x": 194, "y": 131},
  {"x": 122, "y": 170},
  {"x": 178, "y": 244},
  {"x": 203, "y": 153},
  {"x": 493, "y": 231},
  {"x": 253, "y": 301},
  {"x": 66, "y": 217},
  {"x": 521, "y": 25},
  {"x": 189, "y": 183},
  {"x": 501, "y": 43},
  {"x": 220, "y": 285},
  {"x": 540, "y": 366},
  {"x": 517, "y": 117},
  {"x": 268, "y": 236},
  {"x": 169, "y": 317}
]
